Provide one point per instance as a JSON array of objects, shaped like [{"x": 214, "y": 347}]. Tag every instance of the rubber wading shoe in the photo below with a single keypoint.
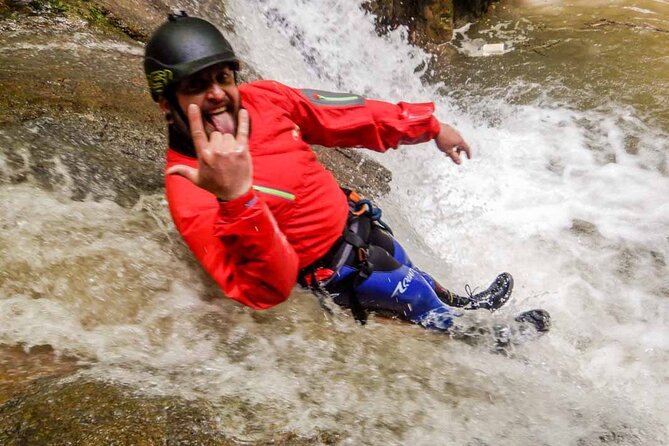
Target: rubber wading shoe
[
  {"x": 540, "y": 319},
  {"x": 181, "y": 47},
  {"x": 496, "y": 295}
]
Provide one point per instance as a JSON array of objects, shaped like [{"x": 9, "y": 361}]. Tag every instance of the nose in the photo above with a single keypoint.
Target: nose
[{"x": 215, "y": 92}]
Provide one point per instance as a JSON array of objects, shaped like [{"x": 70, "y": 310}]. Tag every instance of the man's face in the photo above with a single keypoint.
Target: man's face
[{"x": 213, "y": 90}]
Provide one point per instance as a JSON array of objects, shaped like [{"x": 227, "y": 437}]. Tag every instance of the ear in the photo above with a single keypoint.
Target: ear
[
  {"x": 237, "y": 71},
  {"x": 163, "y": 104}
]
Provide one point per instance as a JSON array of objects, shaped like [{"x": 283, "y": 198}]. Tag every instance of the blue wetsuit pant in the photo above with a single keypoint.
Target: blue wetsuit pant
[{"x": 394, "y": 286}]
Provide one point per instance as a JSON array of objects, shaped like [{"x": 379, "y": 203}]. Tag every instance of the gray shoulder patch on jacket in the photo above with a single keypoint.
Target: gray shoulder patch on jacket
[{"x": 319, "y": 97}]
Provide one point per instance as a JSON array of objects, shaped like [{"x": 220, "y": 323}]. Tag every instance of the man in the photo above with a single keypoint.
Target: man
[{"x": 257, "y": 209}]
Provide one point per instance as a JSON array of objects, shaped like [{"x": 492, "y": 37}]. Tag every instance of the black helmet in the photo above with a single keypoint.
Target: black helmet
[{"x": 180, "y": 47}]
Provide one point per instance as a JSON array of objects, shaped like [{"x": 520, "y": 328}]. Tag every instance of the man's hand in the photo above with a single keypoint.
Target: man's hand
[
  {"x": 224, "y": 162},
  {"x": 451, "y": 143}
]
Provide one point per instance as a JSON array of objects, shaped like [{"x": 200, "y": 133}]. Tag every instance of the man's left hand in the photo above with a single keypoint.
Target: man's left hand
[{"x": 451, "y": 143}]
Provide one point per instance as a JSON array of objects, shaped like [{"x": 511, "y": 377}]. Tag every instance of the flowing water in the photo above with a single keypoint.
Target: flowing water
[{"x": 567, "y": 190}]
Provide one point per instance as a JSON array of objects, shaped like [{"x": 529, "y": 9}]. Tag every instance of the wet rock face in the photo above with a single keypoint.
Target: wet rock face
[
  {"x": 430, "y": 22},
  {"x": 89, "y": 412},
  {"x": 470, "y": 10},
  {"x": 427, "y": 20},
  {"x": 74, "y": 111}
]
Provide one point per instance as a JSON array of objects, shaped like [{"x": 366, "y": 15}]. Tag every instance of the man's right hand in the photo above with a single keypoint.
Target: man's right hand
[{"x": 224, "y": 161}]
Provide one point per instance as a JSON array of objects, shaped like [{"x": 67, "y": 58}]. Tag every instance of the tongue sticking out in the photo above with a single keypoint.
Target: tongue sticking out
[{"x": 223, "y": 122}]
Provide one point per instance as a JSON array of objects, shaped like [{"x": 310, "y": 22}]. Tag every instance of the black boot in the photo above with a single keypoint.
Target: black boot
[
  {"x": 539, "y": 318},
  {"x": 530, "y": 325},
  {"x": 491, "y": 299}
]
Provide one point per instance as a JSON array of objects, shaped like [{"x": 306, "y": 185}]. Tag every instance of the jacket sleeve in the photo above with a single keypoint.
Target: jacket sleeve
[
  {"x": 354, "y": 121},
  {"x": 237, "y": 242}
]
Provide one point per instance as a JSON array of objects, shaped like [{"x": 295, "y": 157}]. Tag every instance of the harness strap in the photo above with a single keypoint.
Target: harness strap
[
  {"x": 365, "y": 268},
  {"x": 362, "y": 214},
  {"x": 354, "y": 239},
  {"x": 359, "y": 206}
]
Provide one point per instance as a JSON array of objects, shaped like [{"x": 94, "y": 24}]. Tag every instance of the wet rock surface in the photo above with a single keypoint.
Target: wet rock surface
[
  {"x": 430, "y": 22},
  {"x": 73, "y": 110},
  {"x": 470, "y": 10},
  {"x": 87, "y": 412},
  {"x": 20, "y": 367}
]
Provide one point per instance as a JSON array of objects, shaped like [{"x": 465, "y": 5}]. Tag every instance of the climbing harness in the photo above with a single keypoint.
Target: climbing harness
[{"x": 363, "y": 214}]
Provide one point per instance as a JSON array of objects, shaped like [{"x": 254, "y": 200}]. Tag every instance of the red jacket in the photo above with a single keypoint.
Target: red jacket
[{"x": 255, "y": 245}]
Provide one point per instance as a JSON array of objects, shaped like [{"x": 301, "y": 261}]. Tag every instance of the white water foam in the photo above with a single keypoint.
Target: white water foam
[
  {"x": 641, "y": 10},
  {"x": 558, "y": 196}
]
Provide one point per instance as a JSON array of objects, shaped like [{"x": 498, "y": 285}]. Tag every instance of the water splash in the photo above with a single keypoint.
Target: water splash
[{"x": 569, "y": 199}]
